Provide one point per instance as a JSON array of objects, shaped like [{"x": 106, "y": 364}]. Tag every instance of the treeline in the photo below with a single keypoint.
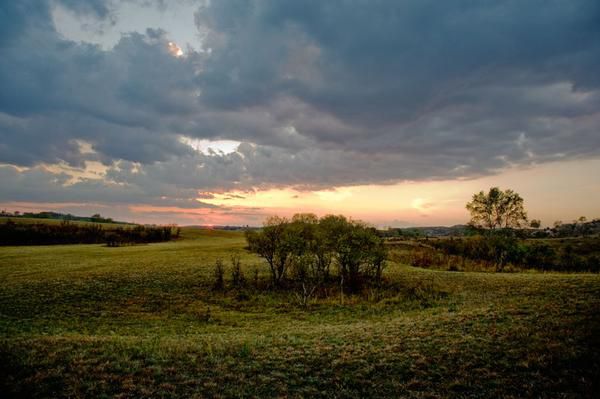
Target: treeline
[
  {"x": 96, "y": 218},
  {"x": 12, "y": 233},
  {"x": 505, "y": 250},
  {"x": 578, "y": 228},
  {"x": 431, "y": 231},
  {"x": 308, "y": 252}
]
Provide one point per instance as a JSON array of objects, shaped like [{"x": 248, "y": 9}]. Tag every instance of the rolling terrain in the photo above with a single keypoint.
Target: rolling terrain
[{"x": 144, "y": 321}]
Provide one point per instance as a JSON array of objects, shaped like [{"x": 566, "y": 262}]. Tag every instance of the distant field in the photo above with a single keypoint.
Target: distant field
[{"x": 143, "y": 321}]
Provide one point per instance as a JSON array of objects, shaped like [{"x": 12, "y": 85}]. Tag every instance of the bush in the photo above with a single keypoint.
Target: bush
[
  {"x": 540, "y": 255},
  {"x": 218, "y": 274},
  {"x": 593, "y": 263},
  {"x": 425, "y": 292},
  {"x": 421, "y": 258},
  {"x": 113, "y": 240},
  {"x": 237, "y": 276}
]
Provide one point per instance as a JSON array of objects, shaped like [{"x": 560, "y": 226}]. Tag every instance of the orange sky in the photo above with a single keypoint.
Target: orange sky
[{"x": 555, "y": 191}]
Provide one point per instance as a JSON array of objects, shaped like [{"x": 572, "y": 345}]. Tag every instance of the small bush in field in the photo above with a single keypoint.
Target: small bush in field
[
  {"x": 218, "y": 274},
  {"x": 422, "y": 258},
  {"x": 113, "y": 240},
  {"x": 237, "y": 276},
  {"x": 593, "y": 263},
  {"x": 426, "y": 292}
]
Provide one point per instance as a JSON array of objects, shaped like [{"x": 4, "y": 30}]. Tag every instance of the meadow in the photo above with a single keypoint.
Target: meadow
[{"x": 145, "y": 321}]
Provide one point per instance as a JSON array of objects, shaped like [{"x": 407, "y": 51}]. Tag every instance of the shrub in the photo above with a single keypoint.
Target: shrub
[
  {"x": 113, "y": 240},
  {"x": 593, "y": 263},
  {"x": 218, "y": 274},
  {"x": 421, "y": 258},
  {"x": 237, "y": 276}
]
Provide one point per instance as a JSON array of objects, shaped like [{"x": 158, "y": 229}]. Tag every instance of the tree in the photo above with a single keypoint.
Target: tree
[
  {"x": 580, "y": 226},
  {"x": 497, "y": 209},
  {"x": 273, "y": 245},
  {"x": 535, "y": 223},
  {"x": 358, "y": 250},
  {"x": 307, "y": 276}
]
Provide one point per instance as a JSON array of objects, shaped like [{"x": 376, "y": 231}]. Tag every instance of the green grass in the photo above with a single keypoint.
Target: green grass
[{"x": 142, "y": 321}]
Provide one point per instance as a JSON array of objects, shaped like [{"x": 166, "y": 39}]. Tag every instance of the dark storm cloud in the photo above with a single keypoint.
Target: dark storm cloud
[
  {"x": 320, "y": 93},
  {"x": 386, "y": 63}
]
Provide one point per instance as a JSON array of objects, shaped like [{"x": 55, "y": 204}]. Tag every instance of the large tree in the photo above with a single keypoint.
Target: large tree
[{"x": 497, "y": 209}]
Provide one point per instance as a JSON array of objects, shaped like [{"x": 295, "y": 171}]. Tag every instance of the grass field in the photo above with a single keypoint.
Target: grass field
[{"x": 143, "y": 321}]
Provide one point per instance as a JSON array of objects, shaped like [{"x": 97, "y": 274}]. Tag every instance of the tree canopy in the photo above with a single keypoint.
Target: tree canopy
[{"x": 497, "y": 209}]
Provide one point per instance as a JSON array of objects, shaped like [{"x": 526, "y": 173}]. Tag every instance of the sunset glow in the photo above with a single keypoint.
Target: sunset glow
[
  {"x": 421, "y": 203},
  {"x": 175, "y": 50}
]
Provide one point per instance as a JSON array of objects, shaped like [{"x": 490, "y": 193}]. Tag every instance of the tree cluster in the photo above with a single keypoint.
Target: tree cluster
[
  {"x": 498, "y": 250},
  {"x": 96, "y": 218},
  {"x": 578, "y": 228},
  {"x": 12, "y": 233},
  {"x": 139, "y": 234},
  {"x": 308, "y": 251}
]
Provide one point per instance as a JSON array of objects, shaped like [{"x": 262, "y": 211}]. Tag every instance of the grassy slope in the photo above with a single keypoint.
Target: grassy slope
[{"x": 87, "y": 320}]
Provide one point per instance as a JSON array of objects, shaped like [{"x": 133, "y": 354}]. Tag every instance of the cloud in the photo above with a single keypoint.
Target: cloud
[
  {"x": 319, "y": 94},
  {"x": 41, "y": 184},
  {"x": 387, "y": 75}
]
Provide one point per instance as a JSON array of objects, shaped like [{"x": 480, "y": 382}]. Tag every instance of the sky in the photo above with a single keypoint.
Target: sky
[{"x": 225, "y": 112}]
